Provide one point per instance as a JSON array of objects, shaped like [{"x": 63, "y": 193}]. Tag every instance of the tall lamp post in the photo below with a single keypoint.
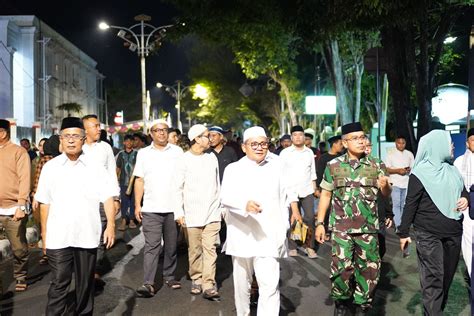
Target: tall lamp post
[
  {"x": 143, "y": 38},
  {"x": 177, "y": 91}
]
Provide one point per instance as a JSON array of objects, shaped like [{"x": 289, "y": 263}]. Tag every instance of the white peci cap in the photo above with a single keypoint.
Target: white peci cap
[
  {"x": 254, "y": 131},
  {"x": 195, "y": 131}
]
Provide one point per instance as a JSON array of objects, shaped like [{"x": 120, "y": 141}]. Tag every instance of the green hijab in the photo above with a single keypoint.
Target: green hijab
[{"x": 433, "y": 167}]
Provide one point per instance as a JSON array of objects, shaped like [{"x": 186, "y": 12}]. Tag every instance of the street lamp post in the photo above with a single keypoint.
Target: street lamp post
[
  {"x": 177, "y": 91},
  {"x": 143, "y": 38}
]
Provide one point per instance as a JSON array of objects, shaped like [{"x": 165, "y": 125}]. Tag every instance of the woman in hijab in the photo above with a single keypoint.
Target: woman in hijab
[{"x": 435, "y": 197}]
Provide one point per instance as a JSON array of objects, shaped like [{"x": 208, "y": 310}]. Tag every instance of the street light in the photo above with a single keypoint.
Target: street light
[
  {"x": 177, "y": 91},
  {"x": 143, "y": 38}
]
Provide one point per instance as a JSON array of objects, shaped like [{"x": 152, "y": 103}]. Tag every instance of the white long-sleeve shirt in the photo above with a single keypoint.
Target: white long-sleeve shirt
[
  {"x": 197, "y": 189},
  {"x": 300, "y": 170},
  {"x": 73, "y": 191},
  {"x": 262, "y": 234}
]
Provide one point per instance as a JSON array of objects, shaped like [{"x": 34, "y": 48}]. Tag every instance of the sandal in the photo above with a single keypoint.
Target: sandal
[
  {"x": 211, "y": 294},
  {"x": 20, "y": 286},
  {"x": 173, "y": 284},
  {"x": 196, "y": 289},
  {"x": 43, "y": 260},
  {"x": 146, "y": 290}
]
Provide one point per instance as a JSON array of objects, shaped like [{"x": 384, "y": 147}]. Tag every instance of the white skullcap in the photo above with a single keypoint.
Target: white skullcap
[
  {"x": 195, "y": 131},
  {"x": 254, "y": 131},
  {"x": 159, "y": 121}
]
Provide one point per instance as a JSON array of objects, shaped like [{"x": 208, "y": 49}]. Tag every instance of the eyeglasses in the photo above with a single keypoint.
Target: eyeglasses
[
  {"x": 160, "y": 130},
  {"x": 357, "y": 139},
  {"x": 74, "y": 137},
  {"x": 254, "y": 145},
  {"x": 206, "y": 136}
]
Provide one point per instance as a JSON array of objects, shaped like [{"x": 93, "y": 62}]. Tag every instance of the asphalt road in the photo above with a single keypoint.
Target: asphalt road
[{"x": 304, "y": 286}]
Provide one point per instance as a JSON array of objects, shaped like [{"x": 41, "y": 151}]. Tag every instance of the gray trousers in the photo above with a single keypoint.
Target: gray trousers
[{"x": 156, "y": 226}]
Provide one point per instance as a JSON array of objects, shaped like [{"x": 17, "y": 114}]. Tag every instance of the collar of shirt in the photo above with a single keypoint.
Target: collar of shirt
[
  {"x": 64, "y": 159},
  {"x": 153, "y": 147},
  {"x": 294, "y": 148}
]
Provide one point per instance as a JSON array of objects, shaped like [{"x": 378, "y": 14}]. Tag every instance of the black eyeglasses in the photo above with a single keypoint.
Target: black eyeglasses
[
  {"x": 160, "y": 130},
  {"x": 254, "y": 145}
]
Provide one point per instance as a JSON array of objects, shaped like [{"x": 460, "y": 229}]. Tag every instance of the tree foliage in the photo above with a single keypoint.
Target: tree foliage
[{"x": 70, "y": 107}]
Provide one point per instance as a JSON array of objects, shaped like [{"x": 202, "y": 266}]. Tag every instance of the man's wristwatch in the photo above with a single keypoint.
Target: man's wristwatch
[
  {"x": 22, "y": 208},
  {"x": 316, "y": 224}
]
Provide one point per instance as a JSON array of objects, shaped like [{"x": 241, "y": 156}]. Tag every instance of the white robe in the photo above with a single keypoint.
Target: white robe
[
  {"x": 465, "y": 165},
  {"x": 256, "y": 235}
]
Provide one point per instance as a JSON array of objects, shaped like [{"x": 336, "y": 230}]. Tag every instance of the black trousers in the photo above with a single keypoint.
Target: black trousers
[
  {"x": 437, "y": 262},
  {"x": 63, "y": 262}
]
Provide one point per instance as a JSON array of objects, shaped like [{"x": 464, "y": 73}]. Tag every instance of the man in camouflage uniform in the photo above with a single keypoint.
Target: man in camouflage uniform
[{"x": 352, "y": 181}]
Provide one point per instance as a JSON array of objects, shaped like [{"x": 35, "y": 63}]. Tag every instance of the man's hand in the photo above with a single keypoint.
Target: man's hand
[
  {"x": 295, "y": 216},
  {"x": 19, "y": 215},
  {"x": 253, "y": 207},
  {"x": 382, "y": 181},
  {"x": 402, "y": 171},
  {"x": 109, "y": 236},
  {"x": 404, "y": 242},
  {"x": 35, "y": 204},
  {"x": 317, "y": 194},
  {"x": 320, "y": 234},
  {"x": 181, "y": 221},
  {"x": 388, "y": 222},
  {"x": 138, "y": 213},
  {"x": 462, "y": 204}
]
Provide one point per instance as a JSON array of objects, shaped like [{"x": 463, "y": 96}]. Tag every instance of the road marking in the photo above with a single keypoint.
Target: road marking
[{"x": 137, "y": 243}]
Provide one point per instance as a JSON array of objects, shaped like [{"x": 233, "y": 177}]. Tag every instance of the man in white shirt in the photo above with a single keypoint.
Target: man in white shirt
[
  {"x": 465, "y": 165},
  {"x": 300, "y": 170},
  {"x": 154, "y": 171},
  {"x": 253, "y": 190},
  {"x": 100, "y": 152},
  {"x": 399, "y": 163},
  {"x": 70, "y": 189},
  {"x": 197, "y": 194}
]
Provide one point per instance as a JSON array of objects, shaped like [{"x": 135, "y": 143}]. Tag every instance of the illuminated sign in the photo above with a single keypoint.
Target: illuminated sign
[{"x": 319, "y": 105}]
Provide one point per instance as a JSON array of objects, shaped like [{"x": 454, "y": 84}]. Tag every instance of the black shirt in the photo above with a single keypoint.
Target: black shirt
[
  {"x": 425, "y": 215},
  {"x": 225, "y": 157},
  {"x": 321, "y": 165}
]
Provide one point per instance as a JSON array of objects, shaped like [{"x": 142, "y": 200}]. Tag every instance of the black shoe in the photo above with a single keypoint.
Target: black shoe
[
  {"x": 146, "y": 290},
  {"x": 341, "y": 308},
  {"x": 363, "y": 309}
]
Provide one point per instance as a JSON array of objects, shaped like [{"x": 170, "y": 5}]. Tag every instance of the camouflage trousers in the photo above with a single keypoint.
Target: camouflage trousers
[{"x": 355, "y": 266}]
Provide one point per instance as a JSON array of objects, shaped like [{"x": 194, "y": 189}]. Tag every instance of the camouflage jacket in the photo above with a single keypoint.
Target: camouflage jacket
[{"x": 354, "y": 193}]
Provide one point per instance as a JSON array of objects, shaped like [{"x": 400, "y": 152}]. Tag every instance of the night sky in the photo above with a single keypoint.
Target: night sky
[{"x": 77, "y": 21}]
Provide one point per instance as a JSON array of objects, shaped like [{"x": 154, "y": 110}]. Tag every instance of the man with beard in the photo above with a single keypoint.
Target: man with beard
[{"x": 225, "y": 154}]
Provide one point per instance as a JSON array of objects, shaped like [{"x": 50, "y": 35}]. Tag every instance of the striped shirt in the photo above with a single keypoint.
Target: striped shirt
[{"x": 197, "y": 188}]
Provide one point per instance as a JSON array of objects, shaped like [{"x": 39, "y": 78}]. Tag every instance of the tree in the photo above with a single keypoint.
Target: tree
[
  {"x": 126, "y": 98},
  {"x": 71, "y": 107},
  {"x": 414, "y": 47},
  {"x": 256, "y": 32}
]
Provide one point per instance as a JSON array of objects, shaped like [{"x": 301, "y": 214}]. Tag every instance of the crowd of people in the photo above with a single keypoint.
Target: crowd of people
[{"x": 245, "y": 196}]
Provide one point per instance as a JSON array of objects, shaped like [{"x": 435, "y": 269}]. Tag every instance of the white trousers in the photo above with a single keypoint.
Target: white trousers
[
  {"x": 466, "y": 245},
  {"x": 267, "y": 272}
]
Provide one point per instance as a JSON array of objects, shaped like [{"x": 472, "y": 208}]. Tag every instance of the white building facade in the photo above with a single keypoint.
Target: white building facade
[{"x": 40, "y": 70}]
